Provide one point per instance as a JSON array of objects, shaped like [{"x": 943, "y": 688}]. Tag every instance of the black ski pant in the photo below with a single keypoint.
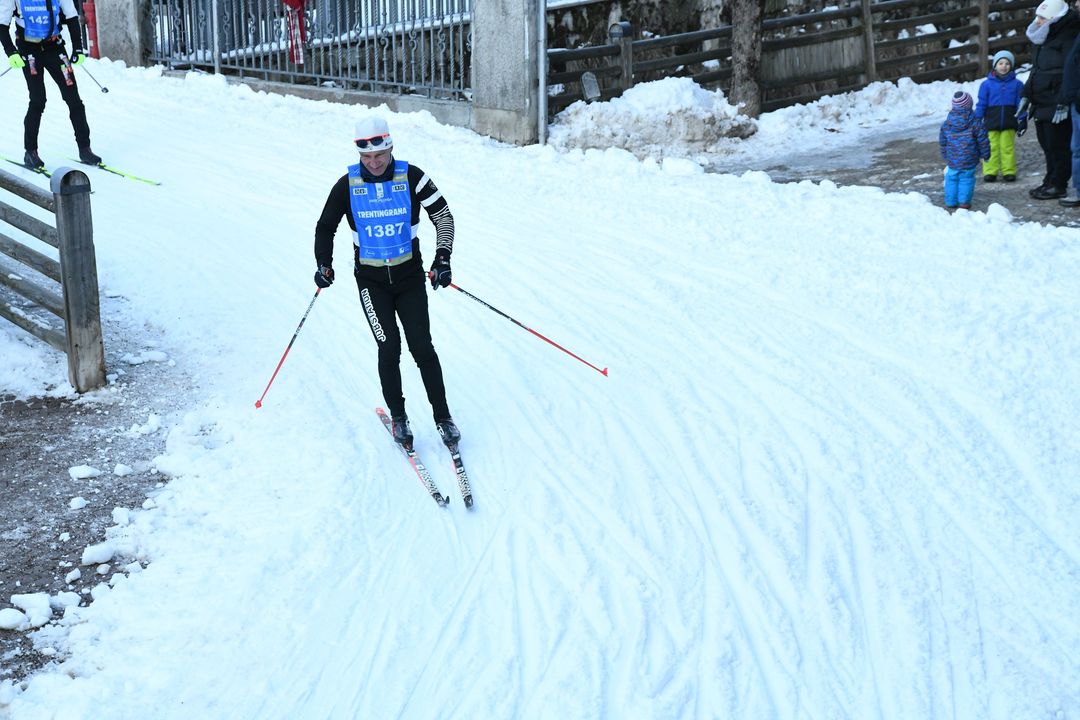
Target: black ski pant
[
  {"x": 385, "y": 303},
  {"x": 47, "y": 60},
  {"x": 1055, "y": 140}
]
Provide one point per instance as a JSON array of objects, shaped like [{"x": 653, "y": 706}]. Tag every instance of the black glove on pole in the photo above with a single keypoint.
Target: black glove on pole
[
  {"x": 440, "y": 270},
  {"x": 324, "y": 276}
]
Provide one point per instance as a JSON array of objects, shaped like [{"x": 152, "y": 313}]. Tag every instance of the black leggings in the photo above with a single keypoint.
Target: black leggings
[
  {"x": 1054, "y": 139},
  {"x": 383, "y": 304},
  {"x": 47, "y": 60}
]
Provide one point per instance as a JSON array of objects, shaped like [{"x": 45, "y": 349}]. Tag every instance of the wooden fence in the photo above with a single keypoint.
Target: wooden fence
[
  {"x": 77, "y": 302},
  {"x": 808, "y": 56}
]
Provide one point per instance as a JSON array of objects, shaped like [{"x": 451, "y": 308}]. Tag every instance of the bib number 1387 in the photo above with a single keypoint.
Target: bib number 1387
[{"x": 387, "y": 230}]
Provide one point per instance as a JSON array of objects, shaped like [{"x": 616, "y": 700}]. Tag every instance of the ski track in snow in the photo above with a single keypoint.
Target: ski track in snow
[{"x": 798, "y": 494}]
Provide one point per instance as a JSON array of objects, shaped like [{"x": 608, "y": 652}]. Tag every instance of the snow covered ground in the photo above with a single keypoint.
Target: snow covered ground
[{"x": 833, "y": 472}]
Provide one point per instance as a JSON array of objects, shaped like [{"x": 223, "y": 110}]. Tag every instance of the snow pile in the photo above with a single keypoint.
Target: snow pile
[
  {"x": 151, "y": 426},
  {"x": 145, "y": 356},
  {"x": 868, "y": 108},
  {"x": 82, "y": 472},
  {"x": 29, "y": 367},
  {"x": 99, "y": 553},
  {"x": 12, "y": 619},
  {"x": 35, "y": 606},
  {"x": 674, "y": 117}
]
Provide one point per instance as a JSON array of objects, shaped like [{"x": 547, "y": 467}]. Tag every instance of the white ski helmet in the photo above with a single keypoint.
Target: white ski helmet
[
  {"x": 1052, "y": 9},
  {"x": 373, "y": 134}
]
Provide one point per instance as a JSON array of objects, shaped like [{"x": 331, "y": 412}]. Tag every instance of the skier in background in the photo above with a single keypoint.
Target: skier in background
[
  {"x": 39, "y": 49},
  {"x": 381, "y": 197}
]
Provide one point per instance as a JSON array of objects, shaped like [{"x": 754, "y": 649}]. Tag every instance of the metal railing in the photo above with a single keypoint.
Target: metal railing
[
  {"x": 77, "y": 303},
  {"x": 388, "y": 46}
]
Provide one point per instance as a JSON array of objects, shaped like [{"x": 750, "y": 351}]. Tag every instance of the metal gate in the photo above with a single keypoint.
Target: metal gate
[{"x": 384, "y": 46}]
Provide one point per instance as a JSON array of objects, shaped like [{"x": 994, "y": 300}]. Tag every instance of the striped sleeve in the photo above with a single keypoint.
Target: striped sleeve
[{"x": 433, "y": 202}]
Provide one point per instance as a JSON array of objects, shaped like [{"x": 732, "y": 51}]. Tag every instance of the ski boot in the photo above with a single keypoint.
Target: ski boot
[
  {"x": 448, "y": 431},
  {"x": 402, "y": 432},
  {"x": 33, "y": 161}
]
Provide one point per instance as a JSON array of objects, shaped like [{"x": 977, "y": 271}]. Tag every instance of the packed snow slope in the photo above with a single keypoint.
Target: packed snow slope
[{"x": 832, "y": 473}]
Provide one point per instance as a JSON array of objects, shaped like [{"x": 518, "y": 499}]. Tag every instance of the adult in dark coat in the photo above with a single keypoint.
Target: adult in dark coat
[
  {"x": 1070, "y": 94},
  {"x": 1053, "y": 33}
]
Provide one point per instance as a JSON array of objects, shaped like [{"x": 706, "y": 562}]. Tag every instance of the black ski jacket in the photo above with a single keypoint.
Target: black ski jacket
[{"x": 1044, "y": 83}]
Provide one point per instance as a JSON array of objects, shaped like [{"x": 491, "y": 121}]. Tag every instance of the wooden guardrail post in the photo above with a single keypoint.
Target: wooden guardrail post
[
  {"x": 78, "y": 269},
  {"x": 984, "y": 37},
  {"x": 868, "y": 42},
  {"x": 622, "y": 34}
]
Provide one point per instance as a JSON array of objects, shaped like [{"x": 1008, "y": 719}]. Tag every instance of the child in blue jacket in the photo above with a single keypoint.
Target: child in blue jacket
[
  {"x": 999, "y": 94},
  {"x": 963, "y": 141}
]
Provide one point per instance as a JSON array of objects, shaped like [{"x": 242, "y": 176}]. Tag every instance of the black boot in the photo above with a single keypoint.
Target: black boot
[
  {"x": 402, "y": 432},
  {"x": 448, "y": 431},
  {"x": 33, "y": 161},
  {"x": 1049, "y": 193},
  {"x": 86, "y": 155}
]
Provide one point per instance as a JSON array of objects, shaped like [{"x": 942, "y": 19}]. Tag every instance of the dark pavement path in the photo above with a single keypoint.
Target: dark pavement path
[{"x": 913, "y": 164}]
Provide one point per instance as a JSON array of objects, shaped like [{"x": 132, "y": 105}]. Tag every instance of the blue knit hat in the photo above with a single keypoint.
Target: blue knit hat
[
  {"x": 1007, "y": 56},
  {"x": 961, "y": 101}
]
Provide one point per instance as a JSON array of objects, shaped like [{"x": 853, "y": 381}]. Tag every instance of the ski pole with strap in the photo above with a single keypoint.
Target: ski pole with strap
[
  {"x": 603, "y": 372},
  {"x": 258, "y": 403},
  {"x": 103, "y": 88}
]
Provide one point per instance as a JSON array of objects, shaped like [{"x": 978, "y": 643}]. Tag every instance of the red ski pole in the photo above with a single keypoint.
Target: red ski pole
[
  {"x": 525, "y": 327},
  {"x": 258, "y": 403}
]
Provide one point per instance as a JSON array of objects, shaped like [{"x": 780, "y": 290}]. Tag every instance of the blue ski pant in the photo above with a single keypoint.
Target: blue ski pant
[{"x": 959, "y": 186}]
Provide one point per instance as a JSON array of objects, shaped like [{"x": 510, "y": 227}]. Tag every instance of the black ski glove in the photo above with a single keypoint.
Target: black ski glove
[
  {"x": 324, "y": 276},
  {"x": 440, "y": 270}
]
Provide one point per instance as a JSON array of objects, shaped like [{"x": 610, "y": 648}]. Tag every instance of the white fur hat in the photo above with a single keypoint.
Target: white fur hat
[
  {"x": 376, "y": 127},
  {"x": 1052, "y": 9}
]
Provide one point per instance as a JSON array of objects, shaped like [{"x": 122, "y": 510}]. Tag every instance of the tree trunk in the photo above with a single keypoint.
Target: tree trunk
[{"x": 746, "y": 16}]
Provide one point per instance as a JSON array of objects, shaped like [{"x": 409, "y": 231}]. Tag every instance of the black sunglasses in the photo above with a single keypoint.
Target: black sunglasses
[{"x": 374, "y": 142}]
